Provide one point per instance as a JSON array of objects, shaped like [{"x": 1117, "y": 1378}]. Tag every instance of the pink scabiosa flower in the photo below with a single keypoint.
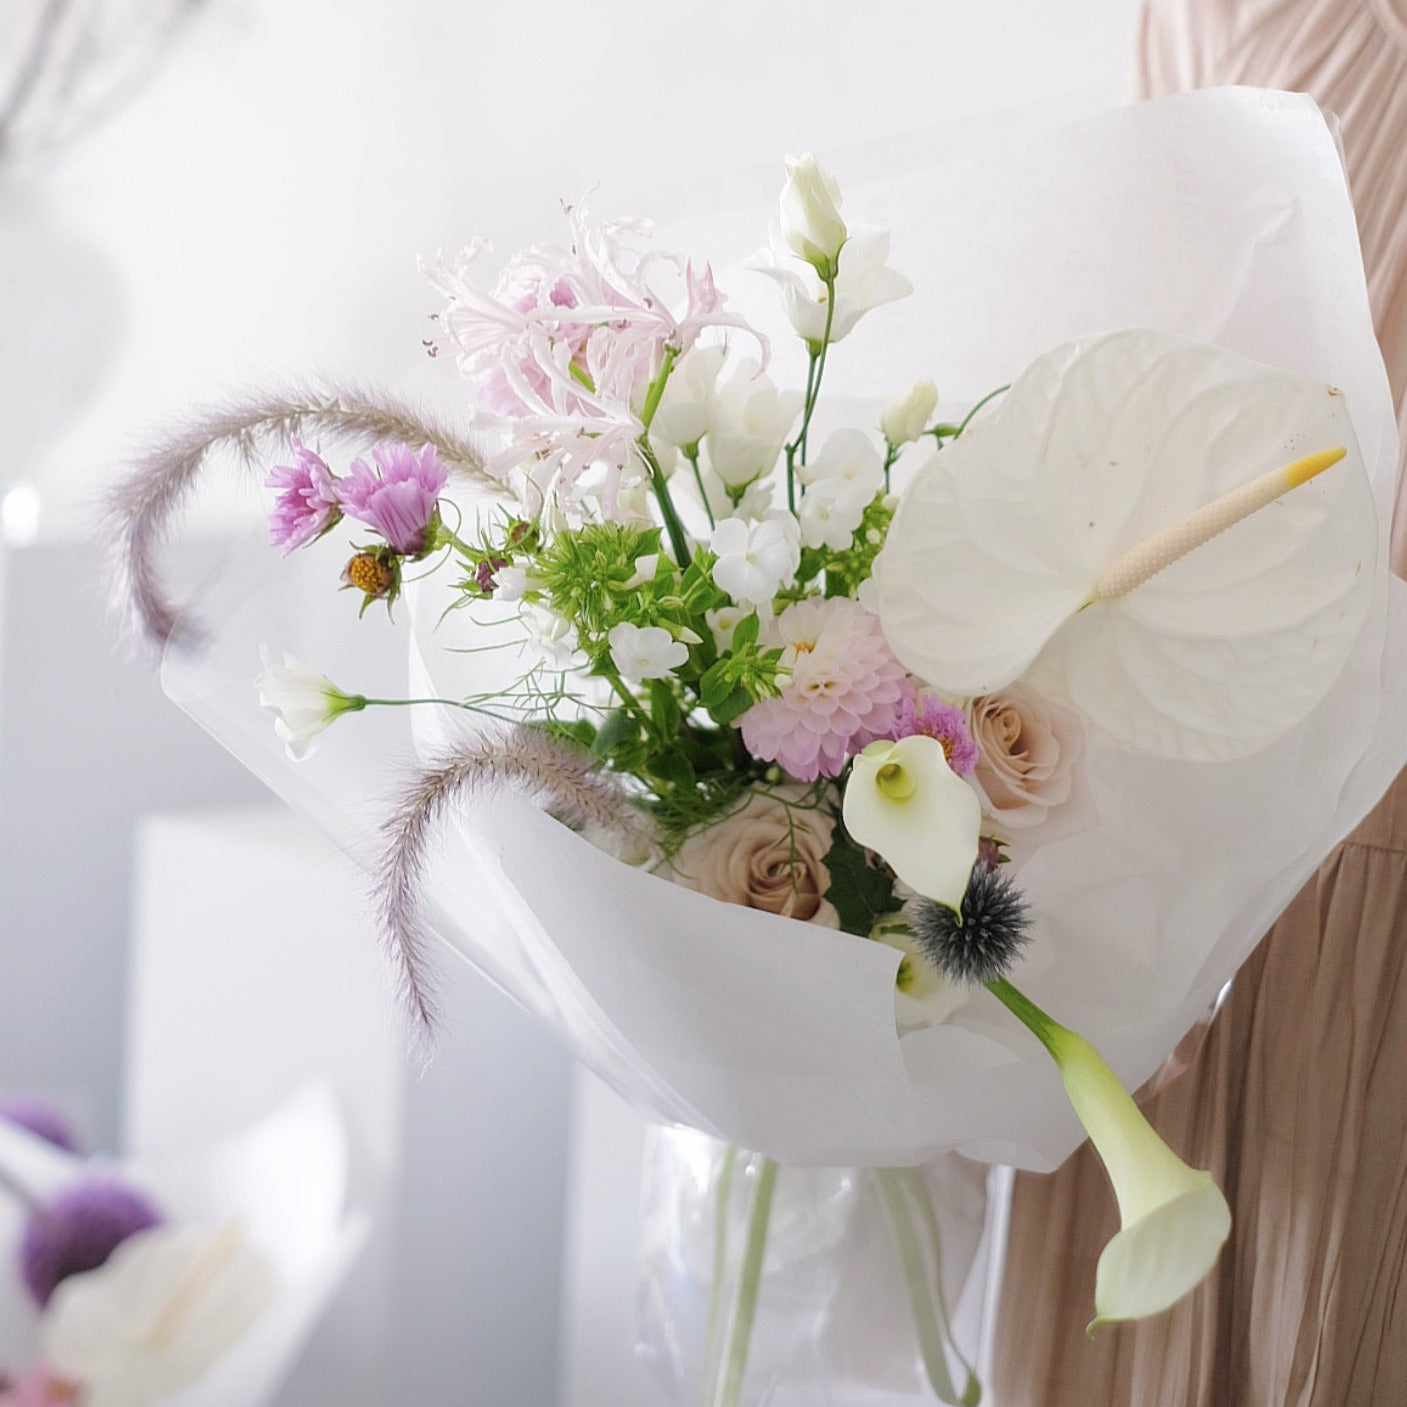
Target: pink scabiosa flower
[
  {"x": 78, "y": 1230},
  {"x": 307, "y": 504},
  {"x": 935, "y": 719},
  {"x": 843, "y": 690},
  {"x": 399, "y": 498}
]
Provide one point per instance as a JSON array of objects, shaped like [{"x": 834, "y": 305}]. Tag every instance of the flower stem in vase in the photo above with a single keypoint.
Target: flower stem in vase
[
  {"x": 909, "y": 1206},
  {"x": 724, "y": 1385}
]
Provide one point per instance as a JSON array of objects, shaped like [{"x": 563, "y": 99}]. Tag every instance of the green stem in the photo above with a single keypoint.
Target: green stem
[
  {"x": 698, "y": 479},
  {"x": 1044, "y": 1027},
  {"x": 967, "y": 419},
  {"x": 815, "y": 370},
  {"x": 722, "y": 1199},
  {"x": 678, "y": 538},
  {"x": 749, "y": 1283},
  {"x": 656, "y": 388},
  {"x": 447, "y": 537}
]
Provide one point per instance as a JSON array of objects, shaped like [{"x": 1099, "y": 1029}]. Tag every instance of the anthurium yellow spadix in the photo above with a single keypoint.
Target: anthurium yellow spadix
[
  {"x": 1175, "y": 540},
  {"x": 906, "y": 803},
  {"x": 1174, "y": 1218}
]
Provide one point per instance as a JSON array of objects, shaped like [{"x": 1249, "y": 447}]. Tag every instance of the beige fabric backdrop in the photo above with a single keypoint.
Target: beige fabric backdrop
[{"x": 1296, "y": 1095}]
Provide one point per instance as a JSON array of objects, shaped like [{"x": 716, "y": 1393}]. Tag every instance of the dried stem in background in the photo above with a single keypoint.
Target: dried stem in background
[{"x": 140, "y": 510}]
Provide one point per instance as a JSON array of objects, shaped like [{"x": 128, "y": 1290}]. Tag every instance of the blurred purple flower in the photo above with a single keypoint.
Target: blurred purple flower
[
  {"x": 37, "y": 1387},
  {"x": 78, "y": 1230},
  {"x": 399, "y": 497},
  {"x": 307, "y": 499},
  {"x": 40, "y": 1119}
]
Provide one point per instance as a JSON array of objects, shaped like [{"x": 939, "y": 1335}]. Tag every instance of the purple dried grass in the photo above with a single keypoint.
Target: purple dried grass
[
  {"x": 140, "y": 510},
  {"x": 524, "y": 758}
]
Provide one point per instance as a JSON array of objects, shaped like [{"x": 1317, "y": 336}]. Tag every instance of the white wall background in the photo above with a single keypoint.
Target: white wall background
[{"x": 258, "y": 210}]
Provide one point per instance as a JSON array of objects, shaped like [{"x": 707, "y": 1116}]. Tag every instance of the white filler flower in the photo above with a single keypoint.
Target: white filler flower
[
  {"x": 645, "y": 652},
  {"x": 754, "y": 559}
]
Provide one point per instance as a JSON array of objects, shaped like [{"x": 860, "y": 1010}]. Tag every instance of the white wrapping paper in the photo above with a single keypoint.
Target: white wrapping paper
[{"x": 1220, "y": 215}]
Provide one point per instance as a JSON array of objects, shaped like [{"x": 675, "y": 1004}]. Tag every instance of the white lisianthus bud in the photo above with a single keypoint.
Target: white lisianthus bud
[
  {"x": 904, "y": 420},
  {"x": 810, "y": 207},
  {"x": 907, "y": 804},
  {"x": 302, "y": 701},
  {"x": 645, "y": 652}
]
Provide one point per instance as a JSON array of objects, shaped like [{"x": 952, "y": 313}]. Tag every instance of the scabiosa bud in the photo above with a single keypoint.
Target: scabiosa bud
[
  {"x": 376, "y": 574},
  {"x": 78, "y": 1230},
  {"x": 40, "y": 1119},
  {"x": 989, "y": 937}
]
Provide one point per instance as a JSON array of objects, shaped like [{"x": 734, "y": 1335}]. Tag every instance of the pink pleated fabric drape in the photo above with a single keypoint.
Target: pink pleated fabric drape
[{"x": 1296, "y": 1096}]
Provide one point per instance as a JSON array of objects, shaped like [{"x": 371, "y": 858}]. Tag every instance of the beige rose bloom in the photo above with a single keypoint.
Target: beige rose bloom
[
  {"x": 1028, "y": 753},
  {"x": 766, "y": 855}
]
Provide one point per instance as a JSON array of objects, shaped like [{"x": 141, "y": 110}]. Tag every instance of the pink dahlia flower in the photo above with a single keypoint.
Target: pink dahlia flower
[
  {"x": 936, "y": 719},
  {"x": 307, "y": 499},
  {"x": 399, "y": 497},
  {"x": 844, "y": 689}
]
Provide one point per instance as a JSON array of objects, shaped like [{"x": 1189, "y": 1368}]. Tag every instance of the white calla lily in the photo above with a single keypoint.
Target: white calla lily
[
  {"x": 905, "y": 803},
  {"x": 1067, "y": 538},
  {"x": 1174, "y": 1218}
]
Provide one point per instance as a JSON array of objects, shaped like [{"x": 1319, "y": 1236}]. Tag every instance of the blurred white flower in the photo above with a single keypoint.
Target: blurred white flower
[
  {"x": 865, "y": 281},
  {"x": 553, "y": 634},
  {"x": 811, "y": 222},
  {"x": 303, "y": 701},
  {"x": 754, "y": 559},
  {"x": 905, "y": 419},
  {"x": 166, "y": 1306},
  {"x": 645, "y": 652},
  {"x": 841, "y": 480}
]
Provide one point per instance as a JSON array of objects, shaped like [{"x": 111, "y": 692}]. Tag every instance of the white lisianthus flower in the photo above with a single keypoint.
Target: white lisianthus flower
[
  {"x": 904, "y": 420},
  {"x": 754, "y": 559},
  {"x": 302, "y": 701},
  {"x": 811, "y": 222},
  {"x": 751, "y": 419},
  {"x": 865, "y": 281},
  {"x": 645, "y": 652},
  {"x": 685, "y": 410},
  {"x": 907, "y": 804}
]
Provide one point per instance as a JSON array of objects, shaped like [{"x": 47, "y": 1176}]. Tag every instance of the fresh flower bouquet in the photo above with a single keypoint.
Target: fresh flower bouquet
[{"x": 818, "y": 780}]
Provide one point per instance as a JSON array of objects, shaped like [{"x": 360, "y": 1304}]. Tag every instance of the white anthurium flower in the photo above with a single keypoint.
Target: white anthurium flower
[
  {"x": 686, "y": 408},
  {"x": 904, "y": 420},
  {"x": 751, "y": 419},
  {"x": 864, "y": 282},
  {"x": 304, "y": 702},
  {"x": 905, "y": 803},
  {"x": 168, "y": 1304},
  {"x": 1113, "y": 533},
  {"x": 811, "y": 222},
  {"x": 644, "y": 652},
  {"x": 754, "y": 559}
]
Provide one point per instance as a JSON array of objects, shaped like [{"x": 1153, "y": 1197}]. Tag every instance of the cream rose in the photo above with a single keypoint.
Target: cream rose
[
  {"x": 767, "y": 855},
  {"x": 1028, "y": 753}
]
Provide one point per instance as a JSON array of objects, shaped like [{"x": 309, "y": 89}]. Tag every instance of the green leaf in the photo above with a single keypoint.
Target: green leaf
[
  {"x": 745, "y": 632},
  {"x": 732, "y": 706},
  {"x": 619, "y": 727},
  {"x": 861, "y": 892}
]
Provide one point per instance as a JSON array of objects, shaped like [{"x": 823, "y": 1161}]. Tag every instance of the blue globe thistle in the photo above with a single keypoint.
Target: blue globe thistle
[{"x": 994, "y": 928}]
